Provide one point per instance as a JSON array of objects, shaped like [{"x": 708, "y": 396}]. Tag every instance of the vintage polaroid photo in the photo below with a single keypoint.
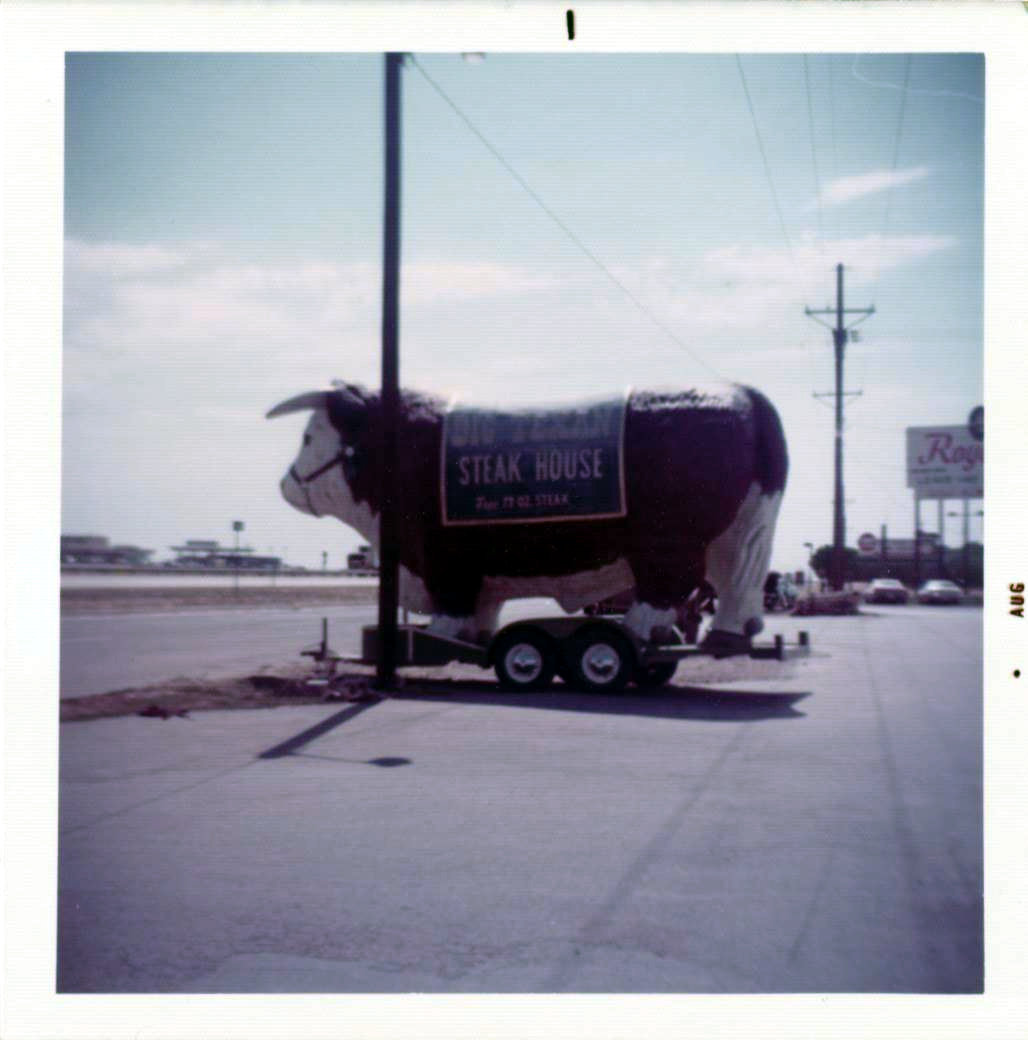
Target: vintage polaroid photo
[{"x": 520, "y": 485}]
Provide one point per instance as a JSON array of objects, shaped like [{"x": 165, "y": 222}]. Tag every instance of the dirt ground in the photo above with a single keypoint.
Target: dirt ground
[{"x": 178, "y": 699}]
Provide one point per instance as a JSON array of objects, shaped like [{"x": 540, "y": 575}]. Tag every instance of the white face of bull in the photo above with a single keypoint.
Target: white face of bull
[{"x": 316, "y": 483}]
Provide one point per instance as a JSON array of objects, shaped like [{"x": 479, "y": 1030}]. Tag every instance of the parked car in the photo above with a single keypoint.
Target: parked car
[
  {"x": 886, "y": 590},
  {"x": 779, "y": 592},
  {"x": 940, "y": 591}
]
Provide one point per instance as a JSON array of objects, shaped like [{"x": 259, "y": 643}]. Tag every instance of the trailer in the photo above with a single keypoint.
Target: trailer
[{"x": 595, "y": 654}]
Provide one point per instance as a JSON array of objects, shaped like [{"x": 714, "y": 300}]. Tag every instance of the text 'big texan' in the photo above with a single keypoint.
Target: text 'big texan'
[{"x": 665, "y": 489}]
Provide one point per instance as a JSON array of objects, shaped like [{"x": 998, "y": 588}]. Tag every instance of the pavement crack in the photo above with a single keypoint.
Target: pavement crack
[
  {"x": 812, "y": 906},
  {"x": 560, "y": 978},
  {"x": 906, "y": 842},
  {"x": 125, "y": 809}
]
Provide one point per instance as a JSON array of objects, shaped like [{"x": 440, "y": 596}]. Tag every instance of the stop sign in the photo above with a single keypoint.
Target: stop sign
[{"x": 867, "y": 542}]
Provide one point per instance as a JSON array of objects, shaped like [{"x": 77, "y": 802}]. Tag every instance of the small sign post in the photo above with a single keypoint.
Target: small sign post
[{"x": 237, "y": 526}]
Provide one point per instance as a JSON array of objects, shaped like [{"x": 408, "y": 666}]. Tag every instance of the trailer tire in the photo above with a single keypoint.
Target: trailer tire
[
  {"x": 524, "y": 658},
  {"x": 652, "y": 676},
  {"x": 599, "y": 659}
]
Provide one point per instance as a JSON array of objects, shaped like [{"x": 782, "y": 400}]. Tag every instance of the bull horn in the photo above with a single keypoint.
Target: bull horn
[{"x": 311, "y": 399}]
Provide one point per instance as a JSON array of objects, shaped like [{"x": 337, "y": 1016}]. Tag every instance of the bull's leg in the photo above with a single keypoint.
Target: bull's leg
[
  {"x": 737, "y": 563},
  {"x": 487, "y": 615},
  {"x": 455, "y": 596},
  {"x": 664, "y": 577}
]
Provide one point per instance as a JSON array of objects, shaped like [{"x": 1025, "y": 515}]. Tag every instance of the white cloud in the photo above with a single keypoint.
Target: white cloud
[
  {"x": 845, "y": 189},
  {"x": 740, "y": 287},
  {"x": 120, "y": 259},
  {"x": 127, "y": 300},
  {"x": 200, "y": 331}
]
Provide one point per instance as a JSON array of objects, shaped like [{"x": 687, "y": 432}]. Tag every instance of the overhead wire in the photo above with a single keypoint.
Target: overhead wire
[
  {"x": 835, "y": 149},
  {"x": 910, "y": 90},
  {"x": 814, "y": 354},
  {"x": 895, "y": 160},
  {"x": 583, "y": 248},
  {"x": 763, "y": 156},
  {"x": 813, "y": 154}
]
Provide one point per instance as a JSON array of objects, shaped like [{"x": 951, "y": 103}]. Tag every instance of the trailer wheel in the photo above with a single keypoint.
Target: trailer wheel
[
  {"x": 524, "y": 659},
  {"x": 650, "y": 676},
  {"x": 599, "y": 659}
]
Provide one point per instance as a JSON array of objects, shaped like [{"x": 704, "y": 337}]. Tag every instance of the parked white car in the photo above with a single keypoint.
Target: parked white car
[
  {"x": 886, "y": 590},
  {"x": 940, "y": 591}
]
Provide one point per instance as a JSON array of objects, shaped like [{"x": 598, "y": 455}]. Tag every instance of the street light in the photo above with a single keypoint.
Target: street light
[
  {"x": 966, "y": 554},
  {"x": 237, "y": 526}
]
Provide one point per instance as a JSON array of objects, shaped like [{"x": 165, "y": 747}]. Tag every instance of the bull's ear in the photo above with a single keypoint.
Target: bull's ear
[{"x": 347, "y": 410}]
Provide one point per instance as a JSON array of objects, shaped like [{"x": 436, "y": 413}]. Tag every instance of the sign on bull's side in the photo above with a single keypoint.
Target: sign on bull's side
[
  {"x": 532, "y": 466},
  {"x": 945, "y": 462}
]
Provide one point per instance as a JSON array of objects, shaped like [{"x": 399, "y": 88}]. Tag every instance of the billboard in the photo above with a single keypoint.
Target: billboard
[
  {"x": 533, "y": 466},
  {"x": 945, "y": 462}
]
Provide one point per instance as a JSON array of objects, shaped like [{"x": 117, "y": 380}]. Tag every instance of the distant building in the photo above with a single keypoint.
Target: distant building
[
  {"x": 95, "y": 549},
  {"x": 209, "y": 554},
  {"x": 364, "y": 559}
]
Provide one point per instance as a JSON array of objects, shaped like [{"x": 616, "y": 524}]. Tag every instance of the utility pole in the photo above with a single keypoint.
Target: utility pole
[
  {"x": 840, "y": 333},
  {"x": 389, "y": 560}
]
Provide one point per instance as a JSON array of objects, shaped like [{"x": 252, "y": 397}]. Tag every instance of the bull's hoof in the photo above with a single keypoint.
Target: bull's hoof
[{"x": 720, "y": 643}]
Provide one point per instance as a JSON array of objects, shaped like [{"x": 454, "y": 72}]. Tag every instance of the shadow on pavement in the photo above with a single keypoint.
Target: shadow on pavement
[
  {"x": 672, "y": 702},
  {"x": 293, "y": 744}
]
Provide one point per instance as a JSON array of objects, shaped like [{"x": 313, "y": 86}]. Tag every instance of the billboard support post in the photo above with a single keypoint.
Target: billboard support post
[
  {"x": 967, "y": 552},
  {"x": 917, "y": 539}
]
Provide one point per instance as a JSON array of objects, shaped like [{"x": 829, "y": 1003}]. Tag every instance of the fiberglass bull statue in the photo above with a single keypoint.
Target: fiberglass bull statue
[{"x": 702, "y": 475}]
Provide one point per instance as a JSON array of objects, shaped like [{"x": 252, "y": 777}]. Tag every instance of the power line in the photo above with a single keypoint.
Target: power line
[
  {"x": 835, "y": 150},
  {"x": 813, "y": 153},
  {"x": 895, "y": 159},
  {"x": 763, "y": 155},
  {"x": 909, "y": 90},
  {"x": 557, "y": 220}
]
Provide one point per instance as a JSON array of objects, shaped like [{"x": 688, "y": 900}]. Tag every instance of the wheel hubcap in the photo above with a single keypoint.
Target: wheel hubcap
[
  {"x": 600, "y": 663},
  {"x": 523, "y": 662}
]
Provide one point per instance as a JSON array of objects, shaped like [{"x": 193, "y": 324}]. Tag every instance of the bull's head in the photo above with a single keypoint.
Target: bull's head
[{"x": 323, "y": 479}]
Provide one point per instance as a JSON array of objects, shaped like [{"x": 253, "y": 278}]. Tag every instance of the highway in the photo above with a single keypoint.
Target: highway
[{"x": 105, "y": 652}]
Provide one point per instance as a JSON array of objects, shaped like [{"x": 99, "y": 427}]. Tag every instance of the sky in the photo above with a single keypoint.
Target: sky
[{"x": 570, "y": 225}]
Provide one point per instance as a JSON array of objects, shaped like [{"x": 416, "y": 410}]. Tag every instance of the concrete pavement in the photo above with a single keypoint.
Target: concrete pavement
[{"x": 458, "y": 839}]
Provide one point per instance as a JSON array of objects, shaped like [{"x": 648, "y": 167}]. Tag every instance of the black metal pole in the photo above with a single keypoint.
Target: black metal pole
[
  {"x": 917, "y": 539},
  {"x": 967, "y": 556},
  {"x": 389, "y": 563},
  {"x": 839, "y": 526}
]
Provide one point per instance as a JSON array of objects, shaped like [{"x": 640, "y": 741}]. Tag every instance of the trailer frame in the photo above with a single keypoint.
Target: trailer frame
[{"x": 598, "y": 653}]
